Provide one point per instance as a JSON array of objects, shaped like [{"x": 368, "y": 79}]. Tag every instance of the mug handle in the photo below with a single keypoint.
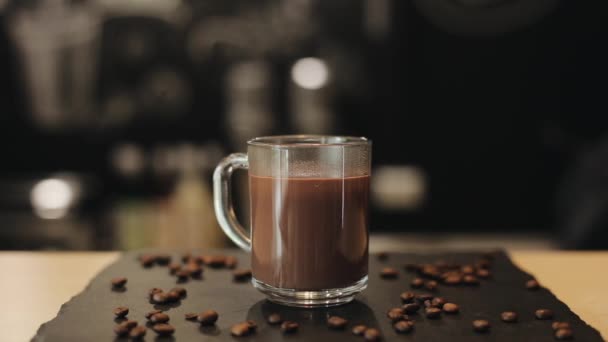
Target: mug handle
[{"x": 222, "y": 201}]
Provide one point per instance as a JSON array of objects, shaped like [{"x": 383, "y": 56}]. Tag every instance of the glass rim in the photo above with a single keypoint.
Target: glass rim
[{"x": 308, "y": 141}]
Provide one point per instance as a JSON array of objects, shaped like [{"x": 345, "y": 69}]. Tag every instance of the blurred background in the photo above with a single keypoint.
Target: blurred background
[{"x": 489, "y": 117}]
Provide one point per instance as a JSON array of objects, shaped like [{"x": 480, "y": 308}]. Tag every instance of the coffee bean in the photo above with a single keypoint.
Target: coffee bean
[
  {"x": 194, "y": 269},
  {"x": 289, "y": 327},
  {"x": 359, "y": 329},
  {"x": 153, "y": 291},
  {"x": 230, "y": 262},
  {"x": 432, "y": 312},
  {"x": 424, "y": 296},
  {"x": 274, "y": 319},
  {"x": 389, "y": 273},
  {"x": 119, "y": 282},
  {"x": 382, "y": 256},
  {"x": 138, "y": 332},
  {"x": 208, "y": 317},
  {"x": 186, "y": 257},
  {"x": 438, "y": 301},
  {"x": 483, "y": 264},
  {"x": 182, "y": 275},
  {"x": 191, "y": 316},
  {"x": 452, "y": 279},
  {"x": 396, "y": 314},
  {"x": 431, "y": 271},
  {"x": 543, "y": 314},
  {"x": 252, "y": 325},
  {"x": 417, "y": 283},
  {"x": 160, "y": 298},
  {"x": 564, "y": 334},
  {"x": 173, "y": 296},
  {"x": 130, "y": 323},
  {"x": 470, "y": 280},
  {"x": 163, "y": 329},
  {"x": 560, "y": 325},
  {"x": 121, "y": 311},
  {"x": 163, "y": 259},
  {"x": 152, "y": 313},
  {"x": 214, "y": 261},
  {"x": 121, "y": 329},
  {"x": 403, "y": 327},
  {"x": 483, "y": 273},
  {"x": 508, "y": 316},
  {"x": 174, "y": 268},
  {"x": 180, "y": 291},
  {"x": 532, "y": 285},
  {"x": 450, "y": 308},
  {"x": 240, "y": 329},
  {"x": 467, "y": 269},
  {"x": 372, "y": 335},
  {"x": 147, "y": 260},
  {"x": 481, "y": 325},
  {"x": 336, "y": 322},
  {"x": 428, "y": 304},
  {"x": 407, "y": 297},
  {"x": 411, "y": 308},
  {"x": 241, "y": 275},
  {"x": 431, "y": 285},
  {"x": 159, "y": 318}
]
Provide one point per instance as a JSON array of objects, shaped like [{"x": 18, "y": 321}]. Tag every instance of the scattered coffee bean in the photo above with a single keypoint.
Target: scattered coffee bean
[
  {"x": 214, "y": 261},
  {"x": 481, "y": 325},
  {"x": 407, "y": 297},
  {"x": 403, "y": 326},
  {"x": 163, "y": 259},
  {"x": 163, "y": 329},
  {"x": 153, "y": 291},
  {"x": 432, "y": 312},
  {"x": 431, "y": 285},
  {"x": 252, "y": 325},
  {"x": 532, "y": 284},
  {"x": 438, "y": 301},
  {"x": 564, "y": 334},
  {"x": 450, "y": 308},
  {"x": 470, "y": 280},
  {"x": 230, "y": 262},
  {"x": 372, "y": 335},
  {"x": 160, "y": 298},
  {"x": 452, "y": 279},
  {"x": 389, "y": 273},
  {"x": 336, "y": 322},
  {"x": 508, "y": 316},
  {"x": 194, "y": 269},
  {"x": 467, "y": 269},
  {"x": 483, "y": 273},
  {"x": 174, "y": 268},
  {"x": 240, "y": 329},
  {"x": 359, "y": 329},
  {"x": 180, "y": 290},
  {"x": 119, "y": 282},
  {"x": 130, "y": 323},
  {"x": 274, "y": 318},
  {"x": 543, "y": 314},
  {"x": 121, "y": 311},
  {"x": 241, "y": 275},
  {"x": 424, "y": 296},
  {"x": 208, "y": 317},
  {"x": 121, "y": 329},
  {"x": 382, "y": 256},
  {"x": 152, "y": 313},
  {"x": 138, "y": 332},
  {"x": 560, "y": 325},
  {"x": 428, "y": 304},
  {"x": 191, "y": 316},
  {"x": 173, "y": 296},
  {"x": 182, "y": 275},
  {"x": 147, "y": 260},
  {"x": 396, "y": 314},
  {"x": 289, "y": 327},
  {"x": 159, "y": 318},
  {"x": 417, "y": 283},
  {"x": 411, "y": 308}
]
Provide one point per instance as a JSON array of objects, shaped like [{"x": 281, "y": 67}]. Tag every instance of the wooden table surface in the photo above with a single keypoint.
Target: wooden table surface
[{"x": 35, "y": 284}]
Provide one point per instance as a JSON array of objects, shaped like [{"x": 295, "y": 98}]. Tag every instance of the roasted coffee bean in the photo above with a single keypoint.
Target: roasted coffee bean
[
  {"x": 241, "y": 275},
  {"x": 152, "y": 313},
  {"x": 432, "y": 312},
  {"x": 160, "y": 298},
  {"x": 467, "y": 269},
  {"x": 450, "y": 308},
  {"x": 396, "y": 314},
  {"x": 252, "y": 325},
  {"x": 119, "y": 282},
  {"x": 173, "y": 296},
  {"x": 532, "y": 284},
  {"x": 214, "y": 261},
  {"x": 407, "y": 297},
  {"x": 403, "y": 327},
  {"x": 121, "y": 329},
  {"x": 382, "y": 256},
  {"x": 428, "y": 304},
  {"x": 138, "y": 332},
  {"x": 452, "y": 279},
  {"x": 289, "y": 327},
  {"x": 241, "y": 329},
  {"x": 336, "y": 322},
  {"x": 163, "y": 329},
  {"x": 174, "y": 268},
  {"x": 424, "y": 296},
  {"x": 543, "y": 314},
  {"x": 274, "y": 318},
  {"x": 159, "y": 318},
  {"x": 230, "y": 262},
  {"x": 186, "y": 257},
  {"x": 438, "y": 302},
  {"x": 208, "y": 317},
  {"x": 191, "y": 316},
  {"x": 483, "y": 264},
  {"x": 182, "y": 275},
  {"x": 417, "y": 283},
  {"x": 130, "y": 323},
  {"x": 359, "y": 329},
  {"x": 180, "y": 291},
  {"x": 481, "y": 325},
  {"x": 431, "y": 285},
  {"x": 470, "y": 280},
  {"x": 564, "y": 334},
  {"x": 431, "y": 271},
  {"x": 483, "y": 273},
  {"x": 508, "y": 316},
  {"x": 411, "y": 308},
  {"x": 163, "y": 259},
  {"x": 560, "y": 325},
  {"x": 147, "y": 260},
  {"x": 121, "y": 311},
  {"x": 389, "y": 273},
  {"x": 372, "y": 335},
  {"x": 153, "y": 291},
  {"x": 194, "y": 269}
]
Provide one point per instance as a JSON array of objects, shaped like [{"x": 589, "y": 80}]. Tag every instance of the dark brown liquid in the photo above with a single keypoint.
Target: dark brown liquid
[{"x": 309, "y": 233}]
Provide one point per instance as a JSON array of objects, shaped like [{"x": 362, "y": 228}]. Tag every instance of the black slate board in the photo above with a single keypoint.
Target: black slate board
[{"x": 88, "y": 316}]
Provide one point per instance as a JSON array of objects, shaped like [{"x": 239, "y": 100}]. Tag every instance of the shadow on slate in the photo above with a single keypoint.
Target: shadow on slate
[{"x": 88, "y": 316}]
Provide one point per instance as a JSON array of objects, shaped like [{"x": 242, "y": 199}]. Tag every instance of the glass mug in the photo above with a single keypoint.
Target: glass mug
[{"x": 309, "y": 216}]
